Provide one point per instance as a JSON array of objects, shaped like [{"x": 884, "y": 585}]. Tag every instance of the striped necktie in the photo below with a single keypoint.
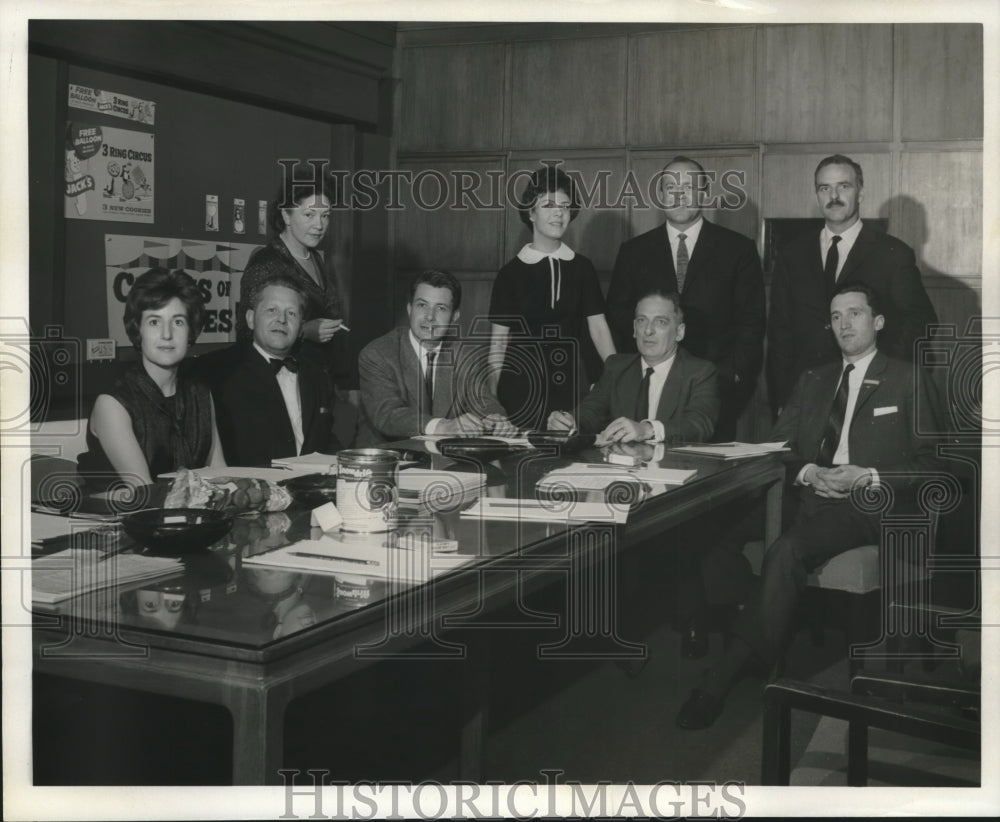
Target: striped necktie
[
  {"x": 682, "y": 261},
  {"x": 835, "y": 422}
]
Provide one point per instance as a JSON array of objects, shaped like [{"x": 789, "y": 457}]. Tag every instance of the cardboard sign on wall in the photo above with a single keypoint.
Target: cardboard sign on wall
[
  {"x": 216, "y": 266},
  {"x": 108, "y": 173}
]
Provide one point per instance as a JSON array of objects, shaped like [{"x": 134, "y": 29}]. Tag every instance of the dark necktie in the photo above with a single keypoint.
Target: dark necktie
[
  {"x": 682, "y": 261},
  {"x": 830, "y": 267},
  {"x": 642, "y": 401},
  {"x": 835, "y": 422},
  {"x": 288, "y": 362},
  {"x": 429, "y": 380}
]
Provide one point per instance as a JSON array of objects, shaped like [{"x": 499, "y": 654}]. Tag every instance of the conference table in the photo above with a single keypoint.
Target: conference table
[{"x": 251, "y": 638}]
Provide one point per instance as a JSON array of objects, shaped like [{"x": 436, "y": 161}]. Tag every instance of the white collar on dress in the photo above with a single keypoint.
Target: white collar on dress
[{"x": 531, "y": 255}]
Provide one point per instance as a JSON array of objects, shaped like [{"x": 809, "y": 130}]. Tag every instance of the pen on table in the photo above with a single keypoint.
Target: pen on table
[{"x": 308, "y": 555}]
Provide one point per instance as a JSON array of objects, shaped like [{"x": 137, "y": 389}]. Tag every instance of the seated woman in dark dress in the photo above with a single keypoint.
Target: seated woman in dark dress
[
  {"x": 156, "y": 418},
  {"x": 543, "y": 302}
]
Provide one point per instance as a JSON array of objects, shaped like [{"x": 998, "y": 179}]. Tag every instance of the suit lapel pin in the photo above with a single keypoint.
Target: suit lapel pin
[{"x": 870, "y": 382}]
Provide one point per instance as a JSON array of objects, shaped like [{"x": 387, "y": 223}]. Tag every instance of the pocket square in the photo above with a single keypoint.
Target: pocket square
[{"x": 885, "y": 409}]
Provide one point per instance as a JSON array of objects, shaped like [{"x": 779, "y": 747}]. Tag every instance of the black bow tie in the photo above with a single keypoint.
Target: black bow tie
[{"x": 288, "y": 362}]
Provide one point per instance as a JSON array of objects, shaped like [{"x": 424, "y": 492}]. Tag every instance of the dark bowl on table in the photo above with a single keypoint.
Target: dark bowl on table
[
  {"x": 562, "y": 442},
  {"x": 477, "y": 448},
  {"x": 177, "y": 530},
  {"x": 312, "y": 490}
]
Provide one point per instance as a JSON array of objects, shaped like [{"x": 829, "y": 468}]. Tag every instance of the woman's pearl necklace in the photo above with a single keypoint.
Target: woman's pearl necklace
[{"x": 296, "y": 256}]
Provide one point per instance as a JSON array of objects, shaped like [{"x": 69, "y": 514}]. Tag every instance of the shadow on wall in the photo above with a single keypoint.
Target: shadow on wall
[{"x": 953, "y": 299}]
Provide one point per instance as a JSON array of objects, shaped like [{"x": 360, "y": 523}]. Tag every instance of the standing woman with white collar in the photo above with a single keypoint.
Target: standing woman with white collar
[{"x": 544, "y": 301}]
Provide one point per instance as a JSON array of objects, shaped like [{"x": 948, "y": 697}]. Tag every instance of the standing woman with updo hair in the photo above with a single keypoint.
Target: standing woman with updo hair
[
  {"x": 299, "y": 217},
  {"x": 158, "y": 417},
  {"x": 546, "y": 286}
]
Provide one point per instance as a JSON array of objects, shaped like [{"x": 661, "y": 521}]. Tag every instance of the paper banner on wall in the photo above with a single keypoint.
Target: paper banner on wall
[
  {"x": 216, "y": 267},
  {"x": 113, "y": 103},
  {"x": 108, "y": 173}
]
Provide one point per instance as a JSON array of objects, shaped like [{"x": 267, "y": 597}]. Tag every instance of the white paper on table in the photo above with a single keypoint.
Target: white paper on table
[
  {"x": 315, "y": 462},
  {"x": 518, "y": 441},
  {"x": 733, "y": 450},
  {"x": 447, "y": 488},
  {"x": 269, "y": 474},
  {"x": 529, "y": 510},
  {"x": 591, "y": 477},
  {"x": 51, "y": 526},
  {"x": 386, "y": 556},
  {"x": 77, "y": 571}
]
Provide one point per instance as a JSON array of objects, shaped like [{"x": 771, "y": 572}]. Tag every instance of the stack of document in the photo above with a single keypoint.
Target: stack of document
[
  {"x": 530, "y": 510},
  {"x": 67, "y": 574},
  {"x": 441, "y": 490},
  {"x": 48, "y": 527},
  {"x": 733, "y": 450},
  {"x": 582, "y": 476},
  {"x": 314, "y": 463},
  {"x": 390, "y": 556}
]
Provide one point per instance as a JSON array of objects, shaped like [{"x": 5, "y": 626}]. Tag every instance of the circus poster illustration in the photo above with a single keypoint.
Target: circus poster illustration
[{"x": 108, "y": 173}]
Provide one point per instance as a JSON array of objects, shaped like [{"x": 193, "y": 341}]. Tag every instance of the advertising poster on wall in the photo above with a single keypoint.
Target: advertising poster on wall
[
  {"x": 217, "y": 268},
  {"x": 112, "y": 103},
  {"x": 108, "y": 173}
]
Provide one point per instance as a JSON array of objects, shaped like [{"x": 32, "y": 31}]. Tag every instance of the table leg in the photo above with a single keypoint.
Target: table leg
[
  {"x": 772, "y": 513},
  {"x": 475, "y": 723},
  {"x": 258, "y": 736}
]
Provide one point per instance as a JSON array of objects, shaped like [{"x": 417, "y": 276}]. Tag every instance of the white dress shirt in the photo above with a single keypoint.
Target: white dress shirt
[
  {"x": 656, "y": 382},
  {"x": 844, "y": 247},
  {"x": 690, "y": 238},
  {"x": 288, "y": 382},
  {"x": 421, "y": 353},
  {"x": 842, "y": 455}
]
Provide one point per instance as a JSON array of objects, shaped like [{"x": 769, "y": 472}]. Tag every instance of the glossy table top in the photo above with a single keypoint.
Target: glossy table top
[{"x": 220, "y": 600}]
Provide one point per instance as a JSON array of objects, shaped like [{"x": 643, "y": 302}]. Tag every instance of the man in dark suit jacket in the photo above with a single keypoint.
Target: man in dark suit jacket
[
  {"x": 414, "y": 380},
  {"x": 268, "y": 403},
  {"x": 849, "y": 425},
  {"x": 806, "y": 274},
  {"x": 718, "y": 275},
  {"x": 661, "y": 394}
]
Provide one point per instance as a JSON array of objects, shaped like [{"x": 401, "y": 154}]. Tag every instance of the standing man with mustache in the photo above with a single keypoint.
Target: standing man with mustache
[
  {"x": 269, "y": 402},
  {"x": 813, "y": 266}
]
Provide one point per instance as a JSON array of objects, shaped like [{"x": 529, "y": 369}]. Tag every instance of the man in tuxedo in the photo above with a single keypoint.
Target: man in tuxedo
[
  {"x": 661, "y": 394},
  {"x": 268, "y": 403},
  {"x": 415, "y": 380},
  {"x": 810, "y": 268},
  {"x": 849, "y": 425},
  {"x": 717, "y": 273}
]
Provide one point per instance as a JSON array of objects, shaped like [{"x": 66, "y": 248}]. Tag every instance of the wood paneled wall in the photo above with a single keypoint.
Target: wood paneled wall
[{"x": 765, "y": 100}]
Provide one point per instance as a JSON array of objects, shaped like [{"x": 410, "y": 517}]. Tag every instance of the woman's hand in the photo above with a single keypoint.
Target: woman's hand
[{"x": 321, "y": 330}]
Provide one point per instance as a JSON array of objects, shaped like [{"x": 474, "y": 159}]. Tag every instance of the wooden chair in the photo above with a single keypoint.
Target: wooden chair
[{"x": 890, "y": 702}]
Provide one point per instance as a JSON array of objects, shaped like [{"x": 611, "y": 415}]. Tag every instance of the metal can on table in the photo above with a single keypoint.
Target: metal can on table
[{"x": 367, "y": 497}]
